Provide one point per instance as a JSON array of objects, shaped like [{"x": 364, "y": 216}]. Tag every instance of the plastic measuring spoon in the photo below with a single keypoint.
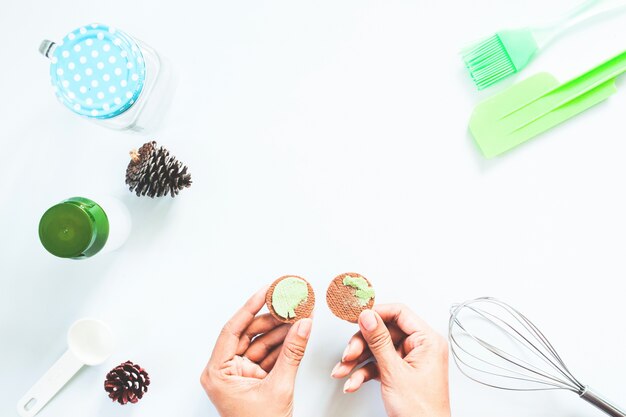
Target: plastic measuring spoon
[{"x": 90, "y": 342}]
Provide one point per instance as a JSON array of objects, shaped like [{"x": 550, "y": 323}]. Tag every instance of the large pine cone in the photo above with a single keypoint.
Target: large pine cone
[
  {"x": 154, "y": 172},
  {"x": 127, "y": 382}
]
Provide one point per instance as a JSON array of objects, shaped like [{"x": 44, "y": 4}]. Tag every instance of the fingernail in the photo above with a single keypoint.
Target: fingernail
[
  {"x": 345, "y": 353},
  {"x": 335, "y": 370},
  {"x": 368, "y": 320},
  {"x": 304, "y": 328},
  {"x": 346, "y": 386}
]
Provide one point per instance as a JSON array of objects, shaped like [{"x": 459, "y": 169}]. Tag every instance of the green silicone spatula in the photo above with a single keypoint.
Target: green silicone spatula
[{"x": 538, "y": 104}]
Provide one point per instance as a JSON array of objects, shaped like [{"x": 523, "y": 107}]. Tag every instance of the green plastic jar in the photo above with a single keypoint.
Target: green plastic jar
[{"x": 76, "y": 228}]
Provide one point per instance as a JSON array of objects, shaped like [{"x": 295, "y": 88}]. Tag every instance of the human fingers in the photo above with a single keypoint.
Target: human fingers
[
  {"x": 358, "y": 352},
  {"x": 360, "y": 376},
  {"x": 264, "y": 344},
  {"x": 228, "y": 340},
  {"x": 379, "y": 340},
  {"x": 261, "y": 324},
  {"x": 292, "y": 352},
  {"x": 270, "y": 360},
  {"x": 366, "y": 373},
  {"x": 431, "y": 348},
  {"x": 403, "y": 317},
  {"x": 240, "y": 366},
  {"x": 357, "y": 345},
  {"x": 267, "y": 364},
  {"x": 395, "y": 316}
]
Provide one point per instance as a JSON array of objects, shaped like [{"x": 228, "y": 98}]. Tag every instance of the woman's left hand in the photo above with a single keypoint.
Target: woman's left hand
[{"x": 253, "y": 367}]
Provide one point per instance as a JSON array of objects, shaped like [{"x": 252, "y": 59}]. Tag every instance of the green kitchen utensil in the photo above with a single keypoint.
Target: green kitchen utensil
[
  {"x": 509, "y": 51},
  {"x": 539, "y": 103}
]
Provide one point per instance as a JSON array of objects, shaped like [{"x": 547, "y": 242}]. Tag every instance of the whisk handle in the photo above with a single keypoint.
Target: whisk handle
[{"x": 595, "y": 399}]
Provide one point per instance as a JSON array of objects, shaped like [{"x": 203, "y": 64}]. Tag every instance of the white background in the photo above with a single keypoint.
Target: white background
[{"x": 322, "y": 137}]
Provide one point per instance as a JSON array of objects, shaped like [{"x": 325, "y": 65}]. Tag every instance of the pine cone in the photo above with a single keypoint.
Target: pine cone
[
  {"x": 127, "y": 382},
  {"x": 154, "y": 172}
]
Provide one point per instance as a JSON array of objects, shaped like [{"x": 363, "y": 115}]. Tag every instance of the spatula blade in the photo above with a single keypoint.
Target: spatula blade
[{"x": 528, "y": 109}]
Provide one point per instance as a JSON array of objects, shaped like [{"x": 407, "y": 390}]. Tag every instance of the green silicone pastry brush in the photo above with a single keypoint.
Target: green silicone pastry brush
[
  {"x": 509, "y": 51},
  {"x": 538, "y": 104}
]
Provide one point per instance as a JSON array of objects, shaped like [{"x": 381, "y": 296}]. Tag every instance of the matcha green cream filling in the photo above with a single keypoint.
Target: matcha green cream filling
[
  {"x": 364, "y": 293},
  {"x": 288, "y": 295}
]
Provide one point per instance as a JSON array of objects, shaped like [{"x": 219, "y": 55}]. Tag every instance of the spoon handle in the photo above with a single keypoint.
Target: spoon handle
[{"x": 48, "y": 385}]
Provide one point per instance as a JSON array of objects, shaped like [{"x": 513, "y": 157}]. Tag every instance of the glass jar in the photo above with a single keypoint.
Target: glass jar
[
  {"x": 105, "y": 75},
  {"x": 78, "y": 228}
]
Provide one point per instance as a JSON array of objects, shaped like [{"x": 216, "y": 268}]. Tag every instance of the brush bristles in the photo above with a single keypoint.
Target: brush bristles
[{"x": 488, "y": 62}]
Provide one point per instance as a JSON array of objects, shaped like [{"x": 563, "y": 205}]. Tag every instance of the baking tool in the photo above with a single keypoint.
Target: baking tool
[
  {"x": 539, "y": 103},
  {"x": 495, "y": 345},
  {"x": 509, "y": 51},
  {"x": 90, "y": 342}
]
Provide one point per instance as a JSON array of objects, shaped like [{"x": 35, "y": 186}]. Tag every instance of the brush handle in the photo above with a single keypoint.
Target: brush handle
[
  {"x": 596, "y": 400},
  {"x": 584, "y": 12}
]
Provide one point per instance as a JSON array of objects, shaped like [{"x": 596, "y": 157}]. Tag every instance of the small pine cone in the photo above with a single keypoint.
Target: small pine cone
[
  {"x": 154, "y": 172},
  {"x": 127, "y": 382}
]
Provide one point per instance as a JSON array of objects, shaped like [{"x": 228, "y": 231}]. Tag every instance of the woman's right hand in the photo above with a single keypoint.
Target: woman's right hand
[{"x": 409, "y": 359}]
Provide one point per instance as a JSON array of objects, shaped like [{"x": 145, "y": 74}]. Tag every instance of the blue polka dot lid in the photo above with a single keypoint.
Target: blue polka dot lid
[{"x": 97, "y": 71}]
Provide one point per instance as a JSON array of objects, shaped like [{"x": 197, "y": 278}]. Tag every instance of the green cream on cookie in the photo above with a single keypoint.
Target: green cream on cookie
[
  {"x": 288, "y": 294},
  {"x": 364, "y": 293}
]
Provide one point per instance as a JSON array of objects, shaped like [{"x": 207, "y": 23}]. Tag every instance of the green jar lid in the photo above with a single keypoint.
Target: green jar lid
[{"x": 74, "y": 228}]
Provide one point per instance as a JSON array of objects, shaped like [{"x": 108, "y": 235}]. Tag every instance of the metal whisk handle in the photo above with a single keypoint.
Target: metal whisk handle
[{"x": 602, "y": 404}]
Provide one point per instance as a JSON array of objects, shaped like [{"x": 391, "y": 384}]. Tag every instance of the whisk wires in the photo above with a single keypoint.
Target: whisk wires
[{"x": 478, "y": 351}]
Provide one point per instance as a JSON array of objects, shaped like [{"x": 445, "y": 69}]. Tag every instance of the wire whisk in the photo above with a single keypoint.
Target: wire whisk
[{"x": 495, "y": 345}]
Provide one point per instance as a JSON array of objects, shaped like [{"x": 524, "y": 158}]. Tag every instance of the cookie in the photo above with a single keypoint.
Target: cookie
[
  {"x": 290, "y": 298},
  {"x": 349, "y": 294}
]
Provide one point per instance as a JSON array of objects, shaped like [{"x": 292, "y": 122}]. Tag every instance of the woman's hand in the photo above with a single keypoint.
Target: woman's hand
[
  {"x": 410, "y": 361},
  {"x": 253, "y": 367}
]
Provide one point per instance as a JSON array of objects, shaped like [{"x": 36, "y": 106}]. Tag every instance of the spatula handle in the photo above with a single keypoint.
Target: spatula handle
[
  {"x": 48, "y": 385},
  {"x": 608, "y": 70}
]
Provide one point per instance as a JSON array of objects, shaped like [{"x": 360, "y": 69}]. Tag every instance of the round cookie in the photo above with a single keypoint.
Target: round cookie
[
  {"x": 349, "y": 294},
  {"x": 290, "y": 298}
]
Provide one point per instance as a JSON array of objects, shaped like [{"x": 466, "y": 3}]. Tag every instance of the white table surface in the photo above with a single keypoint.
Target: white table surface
[{"x": 322, "y": 137}]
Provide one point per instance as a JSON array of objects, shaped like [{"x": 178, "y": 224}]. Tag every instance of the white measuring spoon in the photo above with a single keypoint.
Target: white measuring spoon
[{"x": 90, "y": 342}]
